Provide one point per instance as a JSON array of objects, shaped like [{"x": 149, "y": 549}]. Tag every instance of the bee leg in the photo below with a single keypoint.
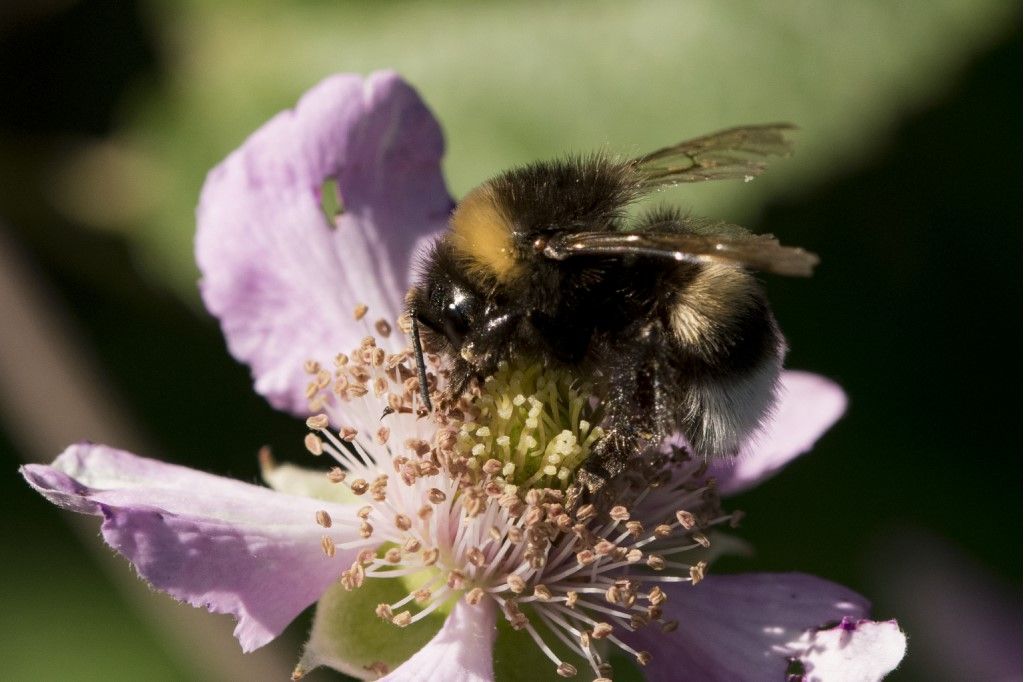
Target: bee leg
[{"x": 637, "y": 407}]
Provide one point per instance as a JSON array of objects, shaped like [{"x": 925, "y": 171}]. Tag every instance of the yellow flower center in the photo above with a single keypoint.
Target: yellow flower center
[{"x": 531, "y": 427}]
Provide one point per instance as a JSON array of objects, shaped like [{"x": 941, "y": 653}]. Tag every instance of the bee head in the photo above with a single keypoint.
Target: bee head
[
  {"x": 458, "y": 317},
  {"x": 486, "y": 282}
]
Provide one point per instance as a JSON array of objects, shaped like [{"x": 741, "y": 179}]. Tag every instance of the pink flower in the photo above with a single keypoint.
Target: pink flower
[{"x": 440, "y": 564}]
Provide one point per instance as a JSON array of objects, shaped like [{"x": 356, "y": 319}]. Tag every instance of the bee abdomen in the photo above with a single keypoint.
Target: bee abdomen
[{"x": 729, "y": 357}]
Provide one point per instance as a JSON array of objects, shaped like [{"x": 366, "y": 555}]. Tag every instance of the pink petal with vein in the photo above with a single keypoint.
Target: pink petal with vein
[
  {"x": 229, "y": 546},
  {"x": 282, "y": 278}
]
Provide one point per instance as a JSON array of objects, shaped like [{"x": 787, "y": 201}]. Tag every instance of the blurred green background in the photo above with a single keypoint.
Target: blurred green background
[{"x": 905, "y": 182}]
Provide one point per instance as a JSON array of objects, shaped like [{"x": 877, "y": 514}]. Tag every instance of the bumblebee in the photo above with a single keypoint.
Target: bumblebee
[{"x": 542, "y": 262}]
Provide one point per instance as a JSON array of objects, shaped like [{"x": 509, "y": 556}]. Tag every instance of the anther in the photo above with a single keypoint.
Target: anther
[
  {"x": 359, "y": 486},
  {"x": 686, "y": 519},
  {"x": 327, "y": 544},
  {"x": 402, "y": 619},
  {"x": 701, "y": 539},
  {"x": 430, "y": 556},
  {"x": 619, "y": 513},
  {"x": 476, "y": 557},
  {"x": 384, "y": 612},
  {"x": 474, "y": 596},
  {"x": 456, "y": 579},
  {"x": 566, "y": 670},
  {"x": 365, "y": 530},
  {"x": 314, "y": 444},
  {"x": 516, "y": 583},
  {"x": 643, "y": 657},
  {"x": 656, "y": 562},
  {"x": 348, "y": 434},
  {"x": 360, "y": 311},
  {"x": 697, "y": 572},
  {"x": 383, "y": 328},
  {"x": 318, "y": 422},
  {"x": 586, "y": 512},
  {"x": 417, "y": 445},
  {"x": 571, "y": 598},
  {"x": 403, "y": 522},
  {"x": 601, "y": 630},
  {"x": 436, "y": 496},
  {"x": 323, "y": 518}
]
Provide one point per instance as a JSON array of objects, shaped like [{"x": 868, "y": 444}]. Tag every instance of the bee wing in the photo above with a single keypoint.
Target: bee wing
[
  {"x": 728, "y": 154},
  {"x": 757, "y": 251}
]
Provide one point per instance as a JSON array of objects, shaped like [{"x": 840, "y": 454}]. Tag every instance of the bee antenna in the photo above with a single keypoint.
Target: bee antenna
[{"x": 421, "y": 366}]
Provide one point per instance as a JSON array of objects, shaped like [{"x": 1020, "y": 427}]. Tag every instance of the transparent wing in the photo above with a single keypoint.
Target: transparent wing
[
  {"x": 728, "y": 154},
  {"x": 757, "y": 251}
]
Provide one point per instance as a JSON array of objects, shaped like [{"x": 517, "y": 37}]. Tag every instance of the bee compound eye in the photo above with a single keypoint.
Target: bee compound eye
[{"x": 457, "y": 316}]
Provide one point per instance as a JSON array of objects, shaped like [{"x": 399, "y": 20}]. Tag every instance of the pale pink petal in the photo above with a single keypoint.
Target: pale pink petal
[
  {"x": 808, "y": 406},
  {"x": 853, "y": 651},
  {"x": 283, "y": 280},
  {"x": 459, "y": 652},
  {"x": 741, "y": 627},
  {"x": 210, "y": 541}
]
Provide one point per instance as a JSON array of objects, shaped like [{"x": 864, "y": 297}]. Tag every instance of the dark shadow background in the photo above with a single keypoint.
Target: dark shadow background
[{"x": 916, "y": 312}]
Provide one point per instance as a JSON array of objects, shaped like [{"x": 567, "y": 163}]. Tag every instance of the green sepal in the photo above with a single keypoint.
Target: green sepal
[
  {"x": 348, "y": 636},
  {"x": 295, "y": 480}
]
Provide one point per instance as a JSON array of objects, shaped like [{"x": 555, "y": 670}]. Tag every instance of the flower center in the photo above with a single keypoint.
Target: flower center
[
  {"x": 530, "y": 427},
  {"x": 471, "y": 504}
]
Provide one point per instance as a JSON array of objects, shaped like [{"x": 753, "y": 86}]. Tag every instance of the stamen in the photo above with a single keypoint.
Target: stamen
[
  {"x": 314, "y": 444},
  {"x": 328, "y": 546},
  {"x": 474, "y": 496}
]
